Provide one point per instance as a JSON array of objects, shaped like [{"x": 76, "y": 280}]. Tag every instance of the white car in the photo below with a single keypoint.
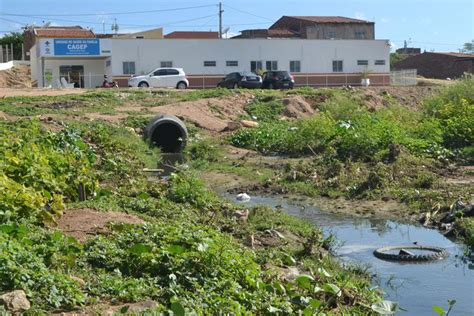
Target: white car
[{"x": 161, "y": 78}]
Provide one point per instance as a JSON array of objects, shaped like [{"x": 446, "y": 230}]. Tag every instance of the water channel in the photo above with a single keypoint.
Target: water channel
[{"x": 417, "y": 287}]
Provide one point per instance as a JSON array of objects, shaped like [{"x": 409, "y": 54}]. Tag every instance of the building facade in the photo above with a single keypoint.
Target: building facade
[
  {"x": 32, "y": 34},
  {"x": 206, "y": 61},
  {"x": 315, "y": 27}
]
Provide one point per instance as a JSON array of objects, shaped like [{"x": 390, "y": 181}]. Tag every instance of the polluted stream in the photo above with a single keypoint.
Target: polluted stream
[{"x": 415, "y": 286}]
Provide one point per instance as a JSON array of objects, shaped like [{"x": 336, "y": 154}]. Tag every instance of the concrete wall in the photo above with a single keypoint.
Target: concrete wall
[
  {"x": 340, "y": 31},
  {"x": 315, "y": 56},
  {"x": 150, "y": 34},
  {"x": 94, "y": 70}
]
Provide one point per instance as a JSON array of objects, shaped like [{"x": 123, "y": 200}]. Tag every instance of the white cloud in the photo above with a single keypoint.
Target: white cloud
[
  {"x": 360, "y": 16},
  {"x": 384, "y": 20},
  {"x": 229, "y": 34}
]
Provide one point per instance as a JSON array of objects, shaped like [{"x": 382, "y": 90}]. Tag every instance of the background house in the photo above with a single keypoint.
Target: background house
[
  {"x": 438, "y": 65},
  {"x": 192, "y": 34},
  {"x": 315, "y": 27}
]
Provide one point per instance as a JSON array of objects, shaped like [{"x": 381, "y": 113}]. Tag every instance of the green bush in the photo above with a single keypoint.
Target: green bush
[
  {"x": 27, "y": 262},
  {"x": 265, "y": 111},
  {"x": 44, "y": 167},
  {"x": 454, "y": 108}
]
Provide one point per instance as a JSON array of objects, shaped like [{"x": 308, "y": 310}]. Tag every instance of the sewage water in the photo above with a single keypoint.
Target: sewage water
[{"x": 417, "y": 287}]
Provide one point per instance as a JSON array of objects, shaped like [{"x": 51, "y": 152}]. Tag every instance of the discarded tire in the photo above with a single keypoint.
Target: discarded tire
[
  {"x": 168, "y": 133},
  {"x": 435, "y": 253}
]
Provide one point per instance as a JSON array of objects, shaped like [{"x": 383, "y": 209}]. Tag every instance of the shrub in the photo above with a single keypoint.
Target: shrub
[{"x": 44, "y": 167}]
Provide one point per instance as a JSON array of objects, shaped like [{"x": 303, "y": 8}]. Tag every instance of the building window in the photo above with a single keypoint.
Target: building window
[
  {"x": 380, "y": 62},
  {"x": 210, "y": 63},
  {"x": 271, "y": 65},
  {"x": 295, "y": 66},
  {"x": 362, "y": 63},
  {"x": 331, "y": 35},
  {"x": 166, "y": 64},
  {"x": 360, "y": 35},
  {"x": 255, "y": 65},
  {"x": 232, "y": 63},
  {"x": 128, "y": 67},
  {"x": 337, "y": 65}
]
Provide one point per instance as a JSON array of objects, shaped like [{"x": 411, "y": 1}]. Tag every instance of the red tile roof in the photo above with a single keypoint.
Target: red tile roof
[
  {"x": 280, "y": 33},
  {"x": 459, "y": 55},
  {"x": 63, "y": 32},
  {"x": 197, "y": 34},
  {"x": 328, "y": 19}
]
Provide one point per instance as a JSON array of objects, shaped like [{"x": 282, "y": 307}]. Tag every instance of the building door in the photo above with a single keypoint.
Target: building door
[{"x": 73, "y": 74}]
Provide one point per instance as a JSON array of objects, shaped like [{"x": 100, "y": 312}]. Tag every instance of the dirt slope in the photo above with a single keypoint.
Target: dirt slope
[{"x": 16, "y": 77}]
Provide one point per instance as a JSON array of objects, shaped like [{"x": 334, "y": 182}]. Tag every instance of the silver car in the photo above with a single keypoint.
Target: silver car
[{"x": 161, "y": 78}]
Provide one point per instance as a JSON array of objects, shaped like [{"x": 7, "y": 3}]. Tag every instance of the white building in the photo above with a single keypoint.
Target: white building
[{"x": 206, "y": 61}]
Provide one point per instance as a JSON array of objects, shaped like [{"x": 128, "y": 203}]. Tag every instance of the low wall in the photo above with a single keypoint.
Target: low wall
[
  {"x": 12, "y": 63},
  {"x": 301, "y": 80}
]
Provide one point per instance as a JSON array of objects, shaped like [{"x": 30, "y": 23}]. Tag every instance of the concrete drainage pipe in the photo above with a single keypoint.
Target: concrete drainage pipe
[
  {"x": 433, "y": 253},
  {"x": 168, "y": 133}
]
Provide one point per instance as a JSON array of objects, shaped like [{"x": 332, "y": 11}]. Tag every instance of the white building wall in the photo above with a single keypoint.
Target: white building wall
[
  {"x": 94, "y": 69},
  {"x": 316, "y": 56}
]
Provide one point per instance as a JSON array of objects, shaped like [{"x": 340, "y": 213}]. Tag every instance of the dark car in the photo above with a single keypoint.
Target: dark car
[
  {"x": 236, "y": 80},
  {"x": 278, "y": 80}
]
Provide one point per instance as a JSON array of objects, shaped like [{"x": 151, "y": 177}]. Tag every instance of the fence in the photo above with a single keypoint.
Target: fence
[
  {"x": 70, "y": 80},
  {"x": 403, "y": 77},
  {"x": 302, "y": 80},
  {"x": 9, "y": 53}
]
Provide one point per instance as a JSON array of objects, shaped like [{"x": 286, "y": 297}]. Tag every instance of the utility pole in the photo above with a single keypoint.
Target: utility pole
[{"x": 220, "y": 19}]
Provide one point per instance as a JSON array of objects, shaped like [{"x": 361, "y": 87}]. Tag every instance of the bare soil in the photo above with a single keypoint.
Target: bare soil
[
  {"x": 296, "y": 107},
  {"x": 85, "y": 223},
  {"x": 16, "y": 77},
  {"x": 32, "y": 92}
]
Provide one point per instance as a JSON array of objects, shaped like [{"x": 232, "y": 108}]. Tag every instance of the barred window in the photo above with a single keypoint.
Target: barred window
[
  {"x": 210, "y": 63},
  {"x": 362, "y": 62},
  {"x": 166, "y": 64},
  {"x": 232, "y": 63},
  {"x": 295, "y": 66},
  {"x": 128, "y": 67},
  {"x": 337, "y": 66},
  {"x": 380, "y": 62}
]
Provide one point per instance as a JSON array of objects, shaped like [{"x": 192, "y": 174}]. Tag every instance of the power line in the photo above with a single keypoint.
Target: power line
[
  {"x": 116, "y": 13},
  {"x": 127, "y": 25},
  {"x": 248, "y": 13}
]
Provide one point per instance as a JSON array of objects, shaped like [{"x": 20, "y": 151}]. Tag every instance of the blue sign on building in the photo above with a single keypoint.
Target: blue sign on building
[{"x": 76, "y": 47}]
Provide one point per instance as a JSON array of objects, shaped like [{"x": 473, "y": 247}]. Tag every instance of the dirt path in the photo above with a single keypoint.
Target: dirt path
[
  {"x": 85, "y": 223},
  {"x": 11, "y": 92}
]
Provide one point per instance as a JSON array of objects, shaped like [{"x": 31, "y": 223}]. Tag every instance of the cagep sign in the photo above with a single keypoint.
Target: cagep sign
[{"x": 76, "y": 47}]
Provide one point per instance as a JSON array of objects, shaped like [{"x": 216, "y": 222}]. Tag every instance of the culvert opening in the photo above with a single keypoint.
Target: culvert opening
[
  {"x": 168, "y": 133},
  {"x": 168, "y": 137}
]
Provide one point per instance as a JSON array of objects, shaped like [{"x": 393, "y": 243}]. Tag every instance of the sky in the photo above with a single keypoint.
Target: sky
[{"x": 432, "y": 25}]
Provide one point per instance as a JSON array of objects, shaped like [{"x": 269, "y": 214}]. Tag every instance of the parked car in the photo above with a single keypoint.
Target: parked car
[
  {"x": 236, "y": 80},
  {"x": 278, "y": 80},
  {"x": 161, "y": 78}
]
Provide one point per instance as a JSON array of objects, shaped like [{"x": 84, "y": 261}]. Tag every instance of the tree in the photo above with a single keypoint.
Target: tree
[
  {"x": 395, "y": 58},
  {"x": 16, "y": 39},
  {"x": 468, "y": 47}
]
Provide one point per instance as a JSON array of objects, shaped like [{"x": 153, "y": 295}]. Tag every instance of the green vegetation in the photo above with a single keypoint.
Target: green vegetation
[
  {"x": 189, "y": 256},
  {"x": 352, "y": 151}
]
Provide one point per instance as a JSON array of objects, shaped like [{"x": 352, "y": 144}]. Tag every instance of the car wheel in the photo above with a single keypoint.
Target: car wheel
[
  {"x": 143, "y": 84},
  {"x": 181, "y": 85},
  {"x": 236, "y": 86}
]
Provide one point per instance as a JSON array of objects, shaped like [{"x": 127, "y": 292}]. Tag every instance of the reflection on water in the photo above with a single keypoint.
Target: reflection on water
[{"x": 416, "y": 286}]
